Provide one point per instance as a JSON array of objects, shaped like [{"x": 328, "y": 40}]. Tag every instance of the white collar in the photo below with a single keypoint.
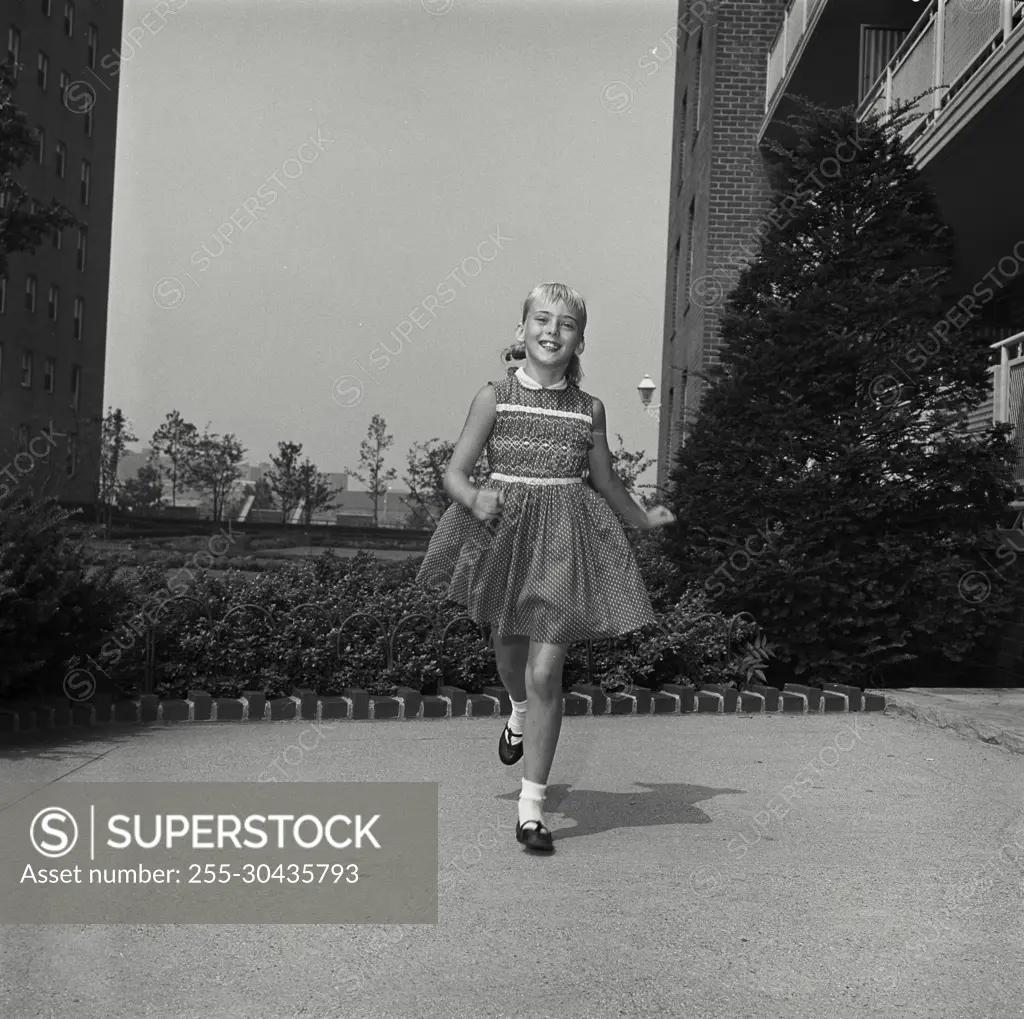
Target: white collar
[{"x": 529, "y": 383}]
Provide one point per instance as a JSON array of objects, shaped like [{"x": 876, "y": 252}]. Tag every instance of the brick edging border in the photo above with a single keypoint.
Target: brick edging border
[{"x": 451, "y": 702}]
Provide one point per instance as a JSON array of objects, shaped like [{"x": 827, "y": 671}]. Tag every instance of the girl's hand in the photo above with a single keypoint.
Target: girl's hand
[
  {"x": 487, "y": 504},
  {"x": 659, "y": 516}
]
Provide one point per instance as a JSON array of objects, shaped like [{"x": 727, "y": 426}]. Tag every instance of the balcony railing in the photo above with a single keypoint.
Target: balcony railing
[
  {"x": 947, "y": 46},
  {"x": 1008, "y": 393},
  {"x": 798, "y": 18}
]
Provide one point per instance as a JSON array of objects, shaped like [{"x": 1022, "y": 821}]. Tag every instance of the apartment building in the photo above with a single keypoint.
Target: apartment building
[
  {"x": 739, "y": 60},
  {"x": 53, "y": 303}
]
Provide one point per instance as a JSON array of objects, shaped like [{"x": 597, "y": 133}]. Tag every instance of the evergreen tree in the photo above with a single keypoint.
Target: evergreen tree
[{"x": 829, "y": 486}]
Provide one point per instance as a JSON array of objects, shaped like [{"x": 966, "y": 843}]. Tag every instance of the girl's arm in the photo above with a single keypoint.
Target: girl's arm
[
  {"x": 605, "y": 481},
  {"x": 475, "y": 433}
]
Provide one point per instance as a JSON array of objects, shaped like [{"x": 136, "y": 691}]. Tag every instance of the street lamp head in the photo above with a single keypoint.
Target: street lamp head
[{"x": 646, "y": 388}]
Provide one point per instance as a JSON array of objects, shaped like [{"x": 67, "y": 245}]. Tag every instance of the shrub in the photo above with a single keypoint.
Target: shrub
[
  {"x": 226, "y": 633},
  {"x": 53, "y": 605}
]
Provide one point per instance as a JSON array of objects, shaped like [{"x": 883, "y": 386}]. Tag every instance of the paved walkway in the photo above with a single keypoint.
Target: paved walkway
[
  {"x": 993, "y": 716},
  {"x": 721, "y": 867}
]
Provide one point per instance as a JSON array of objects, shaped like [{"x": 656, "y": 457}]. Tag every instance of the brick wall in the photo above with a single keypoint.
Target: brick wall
[{"x": 717, "y": 167}]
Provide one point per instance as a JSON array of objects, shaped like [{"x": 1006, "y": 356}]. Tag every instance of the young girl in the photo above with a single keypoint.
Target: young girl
[{"x": 535, "y": 553}]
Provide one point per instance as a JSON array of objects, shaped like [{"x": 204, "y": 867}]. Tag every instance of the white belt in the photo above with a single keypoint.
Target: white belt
[{"x": 537, "y": 481}]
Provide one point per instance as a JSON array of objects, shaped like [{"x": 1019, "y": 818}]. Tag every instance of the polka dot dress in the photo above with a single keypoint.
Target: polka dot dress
[{"x": 558, "y": 567}]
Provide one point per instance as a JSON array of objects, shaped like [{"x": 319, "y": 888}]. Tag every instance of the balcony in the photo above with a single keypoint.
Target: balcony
[
  {"x": 1008, "y": 397},
  {"x": 831, "y": 51},
  {"x": 954, "y": 50},
  {"x": 871, "y": 53},
  {"x": 797, "y": 23}
]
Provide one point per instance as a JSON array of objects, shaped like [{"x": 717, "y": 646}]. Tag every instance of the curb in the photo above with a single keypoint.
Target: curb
[
  {"x": 304, "y": 704},
  {"x": 962, "y": 725}
]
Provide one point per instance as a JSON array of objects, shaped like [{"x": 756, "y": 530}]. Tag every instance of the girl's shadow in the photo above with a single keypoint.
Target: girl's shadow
[{"x": 651, "y": 804}]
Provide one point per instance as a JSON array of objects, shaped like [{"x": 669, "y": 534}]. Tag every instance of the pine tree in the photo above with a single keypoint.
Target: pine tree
[{"x": 828, "y": 485}]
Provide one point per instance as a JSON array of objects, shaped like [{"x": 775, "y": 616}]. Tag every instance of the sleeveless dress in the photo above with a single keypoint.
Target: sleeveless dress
[{"x": 558, "y": 568}]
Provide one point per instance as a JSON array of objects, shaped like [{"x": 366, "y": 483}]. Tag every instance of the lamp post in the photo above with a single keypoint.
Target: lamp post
[{"x": 647, "y": 387}]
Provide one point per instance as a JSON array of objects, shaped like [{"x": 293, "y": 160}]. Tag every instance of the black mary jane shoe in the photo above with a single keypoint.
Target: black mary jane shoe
[
  {"x": 536, "y": 837},
  {"x": 509, "y": 752}
]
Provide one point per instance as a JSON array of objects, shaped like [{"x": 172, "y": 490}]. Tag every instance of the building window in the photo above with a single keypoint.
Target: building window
[
  {"x": 41, "y": 150},
  {"x": 26, "y": 369},
  {"x": 3, "y": 294},
  {"x": 699, "y": 60},
  {"x": 62, "y": 159},
  {"x": 65, "y": 80},
  {"x": 88, "y": 122},
  {"x": 69, "y": 19},
  {"x": 689, "y": 248},
  {"x": 30, "y": 293},
  {"x": 42, "y": 69},
  {"x": 83, "y": 236},
  {"x": 85, "y": 182},
  {"x": 53, "y": 301},
  {"x": 58, "y": 238},
  {"x": 72, "y": 458},
  {"x": 22, "y": 438},
  {"x": 79, "y": 318},
  {"x": 46, "y": 8},
  {"x": 76, "y": 386},
  {"x": 14, "y": 49},
  {"x": 49, "y": 370},
  {"x": 94, "y": 42}
]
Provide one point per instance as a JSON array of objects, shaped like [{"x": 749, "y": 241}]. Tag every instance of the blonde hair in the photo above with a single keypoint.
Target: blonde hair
[{"x": 552, "y": 292}]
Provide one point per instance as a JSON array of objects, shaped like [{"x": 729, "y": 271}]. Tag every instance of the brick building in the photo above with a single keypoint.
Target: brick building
[
  {"x": 737, "y": 62},
  {"x": 53, "y": 304}
]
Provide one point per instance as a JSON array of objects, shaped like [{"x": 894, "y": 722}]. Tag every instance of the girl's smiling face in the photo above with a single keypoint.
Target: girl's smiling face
[{"x": 551, "y": 333}]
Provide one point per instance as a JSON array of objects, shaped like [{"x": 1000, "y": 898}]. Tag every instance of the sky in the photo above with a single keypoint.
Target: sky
[{"x": 300, "y": 182}]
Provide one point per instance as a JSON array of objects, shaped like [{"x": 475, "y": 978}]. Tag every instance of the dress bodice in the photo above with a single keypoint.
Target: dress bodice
[{"x": 540, "y": 433}]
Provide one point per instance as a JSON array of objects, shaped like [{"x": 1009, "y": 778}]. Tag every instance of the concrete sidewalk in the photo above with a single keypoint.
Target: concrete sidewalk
[
  {"x": 802, "y": 866},
  {"x": 993, "y": 716}
]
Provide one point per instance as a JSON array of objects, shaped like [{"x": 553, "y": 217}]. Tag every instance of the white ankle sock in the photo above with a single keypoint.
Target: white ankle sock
[
  {"x": 531, "y": 802},
  {"x": 517, "y": 720}
]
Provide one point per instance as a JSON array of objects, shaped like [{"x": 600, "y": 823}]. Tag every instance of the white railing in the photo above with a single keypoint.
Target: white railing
[
  {"x": 1008, "y": 392},
  {"x": 943, "y": 50},
  {"x": 799, "y": 15}
]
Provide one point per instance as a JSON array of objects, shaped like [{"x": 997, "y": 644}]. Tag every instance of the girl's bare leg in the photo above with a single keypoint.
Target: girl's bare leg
[
  {"x": 544, "y": 719},
  {"x": 512, "y": 654}
]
